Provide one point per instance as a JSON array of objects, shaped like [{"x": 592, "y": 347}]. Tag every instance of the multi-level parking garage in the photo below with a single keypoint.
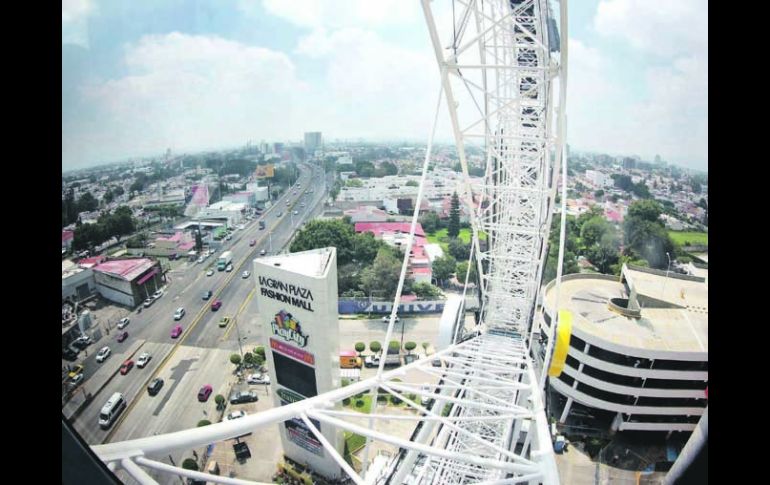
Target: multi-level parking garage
[{"x": 638, "y": 356}]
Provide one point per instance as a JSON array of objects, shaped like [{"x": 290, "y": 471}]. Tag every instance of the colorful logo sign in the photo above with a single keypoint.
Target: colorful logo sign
[
  {"x": 264, "y": 171},
  {"x": 288, "y": 328}
]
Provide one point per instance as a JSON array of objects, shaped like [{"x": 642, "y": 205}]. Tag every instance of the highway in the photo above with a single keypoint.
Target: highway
[{"x": 201, "y": 354}]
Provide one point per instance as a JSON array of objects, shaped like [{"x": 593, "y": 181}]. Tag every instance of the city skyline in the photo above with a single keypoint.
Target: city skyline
[{"x": 140, "y": 78}]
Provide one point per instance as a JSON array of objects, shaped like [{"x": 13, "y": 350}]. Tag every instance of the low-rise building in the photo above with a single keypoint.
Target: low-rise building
[
  {"x": 128, "y": 281},
  {"x": 396, "y": 234}
]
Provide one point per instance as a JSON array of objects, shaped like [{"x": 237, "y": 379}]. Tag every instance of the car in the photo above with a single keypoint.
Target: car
[
  {"x": 204, "y": 393},
  {"x": 176, "y": 331},
  {"x": 143, "y": 359},
  {"x": 103, "y": 353},
  {"x": 240, "y": 397},
  {"x": 228, "y": 237},
  {"x": 229, "y": 268},
  {"x": 148, "y": 302},
  {"x": 258, "y": 379},
  {"x": 279, "y": 215},
  {"x": 207, "y": 294},
  {"x": 82, "y": 342},
  {"x": 69, "y": 354},
  {"x": 224, "y": 321},
  {"x": 78, "y": 369},
  {"x": 123, "y": 323},
  {"x": 157, "y": 294},
  {"x": 296, "y": 213},
  {"x": 179, "y": 313},
  {"x": 302, "y": 204},
  {"x": 235, "y": 415},
  {"x": 122, "y": 336},
  {"x": 245, "y": 274},
  {"x": 436, "y": 363},
  {"x": 127, "y": 366},
  {"x": 210, "y": 272},
  {"x": 201, "y": 259},
  {"x": 262, "y": 252},
  {"x": 288, "y": 202},
  {"x": 386, "y": 318},
  {"x": 77, "y": 379},
  {"x": 252, "y": 242},
  {"x": 216, "y": 304},
  {"x": 154, "y": 387}
]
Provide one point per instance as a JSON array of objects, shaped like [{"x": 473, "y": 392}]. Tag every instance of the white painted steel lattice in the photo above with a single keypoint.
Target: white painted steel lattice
[{"x": 479, "y": 416}]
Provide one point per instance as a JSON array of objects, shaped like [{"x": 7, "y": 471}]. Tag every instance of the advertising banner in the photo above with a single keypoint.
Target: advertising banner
[{"x": 264, "y": 171}]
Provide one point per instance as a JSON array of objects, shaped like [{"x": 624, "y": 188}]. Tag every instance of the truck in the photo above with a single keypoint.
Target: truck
[
  {"x": 349, "y": 360},
  {"x": 390, "y": 360},
  {"x": 224, "y": 260}
]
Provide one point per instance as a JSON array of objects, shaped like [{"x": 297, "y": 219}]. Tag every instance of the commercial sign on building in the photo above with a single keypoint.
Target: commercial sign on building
[
  {"x": 264, "y": 171},
  {"x": 297, "y": 305}
]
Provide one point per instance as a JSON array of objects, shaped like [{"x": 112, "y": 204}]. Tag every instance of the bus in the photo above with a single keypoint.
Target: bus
[{"x": 111, "y": 410}]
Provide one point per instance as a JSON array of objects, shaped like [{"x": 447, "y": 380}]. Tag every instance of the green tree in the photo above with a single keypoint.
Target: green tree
[
  {"x": 430, "y": 222},
  {"x": 412, "y": 183},
  {"x": 410, "y": 346},
  {"x": 443, "y": 268},
  {"x": 324, "y": 233},
  {"x": 220, "y": 400},
  {"x": 87, "y": 203},
  {"x": 394, "y": 347},
  {"x": 599, "y": 194},
  {"x": 425, "y": 290},
  {"x": 249, "y": 358},
  {"x": 375, "y": 346},
  {"x": 190, "y": 464},
  {"x": 198, "y": 241},
  {"x": 648, "y": 210},
  {"x": 360, "y": 347},
  {"x": 203, "y": 422},
  {"x": 354, "y": 183},
  {"x": 108, "y": 196},
  {"x": 593, "y": 230},
  {"x": 383, "y": 274},
  {"x": 462, "y": 269},
  {"x": 459, "y": 250},
  {"x": 453, "y": 228},
  {"x": 604, "y": 253},
  {"x": 425, "y": 346},
  {"x": 120, "y": 223},
  {"x": 235, "y": 359}
]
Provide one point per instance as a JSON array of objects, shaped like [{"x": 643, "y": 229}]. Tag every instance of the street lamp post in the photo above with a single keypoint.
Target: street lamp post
[{"x": 238, "y": 331}]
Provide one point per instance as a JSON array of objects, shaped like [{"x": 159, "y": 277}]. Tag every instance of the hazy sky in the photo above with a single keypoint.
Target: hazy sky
[{"x": 141, "y": 76}]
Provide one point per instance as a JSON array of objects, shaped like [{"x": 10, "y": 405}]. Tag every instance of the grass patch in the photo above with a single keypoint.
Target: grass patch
[
  {"x": 440, "y": 237},
  {"x": 354, "y": 442},
  {"x": 686, "y": 238},
  {"x": 362, "y": 404}
]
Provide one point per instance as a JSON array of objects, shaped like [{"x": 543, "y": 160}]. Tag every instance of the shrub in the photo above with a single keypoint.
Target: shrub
[
  {"x": 360, "y": 347},
  {"x": 190, "y": 464},
  {"x": 412, "y": 397},
  {"x": 382, "y": 398},
  {"x": 425, "y": 346},
  {"x": 346, "y": 401},
  {"x": 410, "y": 346},
  {"x": 360, "y": 403},
  {"x": 235, "y": 359},
  {"x": 395, "y": 401},
  {"x": 360, "y": 395},
  {"x": 345, "y": 382},
  {"x": 220, "y": 400},
  {"x": 375, "y": 346},
  {"x": 394, "y": 347},
  {"x": 203, "y": 422}
]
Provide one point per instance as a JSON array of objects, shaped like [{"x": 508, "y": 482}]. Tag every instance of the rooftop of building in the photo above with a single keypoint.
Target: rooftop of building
[
  {"x": 378, "y": 228},
  {"x": 313, "y": 263},
  {"x": 125, "y": 268},
  {"x": 674, "y": 310}
]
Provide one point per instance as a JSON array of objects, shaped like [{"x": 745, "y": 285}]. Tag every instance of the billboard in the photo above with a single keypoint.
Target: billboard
[{"x": 264, "y": 171}]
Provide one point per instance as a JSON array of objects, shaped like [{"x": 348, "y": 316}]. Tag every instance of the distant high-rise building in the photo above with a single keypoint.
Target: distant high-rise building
[
  {"x": 278, "y": 148},
  {"x": 629, "y": 162},
  {"x": 312, "y": 141}
]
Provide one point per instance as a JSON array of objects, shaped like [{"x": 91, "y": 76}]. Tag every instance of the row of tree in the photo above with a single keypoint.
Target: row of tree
[
  {"x": 393, "y": 347},
  {"x": 116, "y": 224},
  {"x": 70, "y": 208}
]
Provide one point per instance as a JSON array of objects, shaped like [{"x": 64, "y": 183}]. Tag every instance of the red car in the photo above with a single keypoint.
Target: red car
[
  {"x": 176, "y": 331},
  {"x": 122, "y": 336},
  {"x": 204, "y": 393},
  {"x": 216, "y": 304},
  {"x": 127, "y": 366}
]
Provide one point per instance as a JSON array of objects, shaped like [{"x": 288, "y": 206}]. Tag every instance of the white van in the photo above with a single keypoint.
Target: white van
[{"x": 111, "y": 409}]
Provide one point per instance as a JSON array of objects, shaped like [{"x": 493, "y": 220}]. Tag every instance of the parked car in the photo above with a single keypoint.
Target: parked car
[
  {"x": 77, "y": 379},
  {"x": 229, "y": 268},
  {"x": 204, "y": 393},
  {"x": 235, "y": 415},
  {"x": 224, "y": 321},
  {"x": 436, "y": 363},
  {"x": 179, "y": 313},
  {"x": 258, "y": 379},
  {"x": 122, "y": 336},
  {"x": 201, "y": 259},
  {"x": 296, "y": 213},
  {"x": 143, "y": 359},
  {"x": 252, "y": 242},
  {"x": 127, "y": 366},
  {"x": 228, "y": 237},
  {"x": 69, "y": 354},
  {"x": 123, "y": 323},
  {"x": 386, "y": 318},
  {"x": 262, "y": 252},
  {"x": 207, "y": 294},
  {"x": 216, "y": 305},
  {"x": 82, "y": 342},
  {"x": 176, "y": 331},
  {"x": 210, "y": 272},
  {"x": 157, "y": 294},
  {"x": 154, "y": 387},
  {"x": 148, "y": 302},
  {"x": 103, "y": 353},
  {"x": 245, "y": 274},
  {"x": 240, "y": 397}
]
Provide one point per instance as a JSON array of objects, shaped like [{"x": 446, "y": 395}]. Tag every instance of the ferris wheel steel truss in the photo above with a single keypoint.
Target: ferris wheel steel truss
[{"x": 482, "y": 418}]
